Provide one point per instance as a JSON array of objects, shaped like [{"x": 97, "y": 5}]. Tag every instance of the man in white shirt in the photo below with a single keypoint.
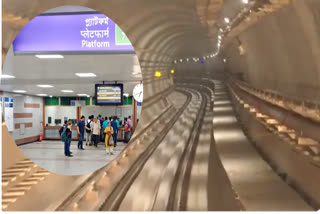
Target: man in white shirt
[{"x": 96, "y": 129}]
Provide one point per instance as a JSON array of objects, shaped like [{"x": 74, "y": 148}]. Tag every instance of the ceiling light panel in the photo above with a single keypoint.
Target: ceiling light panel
[
  {"x": 45, "y": 86},
  {"x": 86, "y": 74}
]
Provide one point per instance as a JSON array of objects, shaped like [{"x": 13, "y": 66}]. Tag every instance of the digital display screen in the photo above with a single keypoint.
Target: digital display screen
[
  {"x": 71, "y": 32},
  {"x": 109, "y": 94}
]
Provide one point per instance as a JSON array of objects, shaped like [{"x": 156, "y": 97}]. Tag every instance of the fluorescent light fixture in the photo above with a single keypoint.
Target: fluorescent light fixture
[
  {"x": 245, "y": 1},
  {"x": 82, "y": 95},
  {"x": 227, "y": 20},
  {"x": 50, "y": 96},
  {"x": 86, "y": 74},
  {"x": 45, "y": 86},
  {"x": 19, "y": 91},
  {"x": 49, "y": 56},
  {"x": 42, "y": 95},
  {"x": 126, "y": 95},
  {"x": 6, "y": 76},
  {"x": 67, "y": 91}
]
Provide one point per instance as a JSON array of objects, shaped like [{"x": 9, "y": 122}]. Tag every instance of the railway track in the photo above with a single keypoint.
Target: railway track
[
  {"x": 165, "y": 176},
  {"x": 112, "y": 180}
]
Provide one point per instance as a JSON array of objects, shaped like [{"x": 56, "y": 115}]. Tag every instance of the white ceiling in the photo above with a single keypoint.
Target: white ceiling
[{"x": 31, "y": 71}]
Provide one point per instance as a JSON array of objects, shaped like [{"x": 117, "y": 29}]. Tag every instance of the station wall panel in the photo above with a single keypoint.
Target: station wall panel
[{"x": 30, "y": 111}]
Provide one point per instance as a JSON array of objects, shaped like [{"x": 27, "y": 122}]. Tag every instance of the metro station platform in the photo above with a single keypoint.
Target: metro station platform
[{"x": 50, "y": 155}]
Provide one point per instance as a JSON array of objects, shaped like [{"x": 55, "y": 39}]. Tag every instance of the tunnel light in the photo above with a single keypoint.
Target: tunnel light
[
  {"x": 227, "y": 20},
  {"x": 49, "y": 56},
  {"x": 172, "y": 71},
  {"x": 6, "y": 76},
  {"x": 157, "y": 74}
]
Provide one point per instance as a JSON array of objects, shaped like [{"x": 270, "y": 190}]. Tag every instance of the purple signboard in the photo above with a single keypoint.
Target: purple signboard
[{"x": 63, "y": 33}]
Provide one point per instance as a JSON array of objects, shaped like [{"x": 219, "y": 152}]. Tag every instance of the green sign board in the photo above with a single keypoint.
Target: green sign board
[{"x": 121, "y": 37}]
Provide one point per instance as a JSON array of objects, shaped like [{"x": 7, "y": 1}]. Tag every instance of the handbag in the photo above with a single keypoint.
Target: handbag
[{"x": 110, "y": 142}]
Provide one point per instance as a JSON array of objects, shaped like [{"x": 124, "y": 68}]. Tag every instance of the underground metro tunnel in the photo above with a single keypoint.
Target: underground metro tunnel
[{"x": 230, "y": 116}]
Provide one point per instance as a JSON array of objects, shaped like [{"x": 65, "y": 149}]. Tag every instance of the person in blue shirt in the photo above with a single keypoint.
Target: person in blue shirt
[
  {"x": 105, "y": 123},
  {"x": 67, "y": 143},
  {"x": 115, "y": 128},
  {"x": 81, "y": 126},
  {"x": 118, "y": 123}
]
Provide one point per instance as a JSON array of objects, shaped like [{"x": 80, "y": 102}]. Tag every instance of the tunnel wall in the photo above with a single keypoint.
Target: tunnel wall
[
  {"x": 282, "y": 52},
  {"x": 297, "y": 170}
]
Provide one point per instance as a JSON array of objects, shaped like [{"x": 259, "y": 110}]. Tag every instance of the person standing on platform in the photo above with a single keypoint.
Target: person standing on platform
[
  {"x": 81, "y": 126},
  {"x": 108, "y": 140},
  {"x": 115, "y": 128},
  {"x": 126, "y": 131},
  {"x": 101, "y": 137},
  {"x": 130, "y": 127},
  {"x": 118, "y": 123},
  {"x": 105, "y": 125},
  {"x": 96, "y": 129},
  {"x": 67, "y": 144},
  {"x": 89, "y": 132}
]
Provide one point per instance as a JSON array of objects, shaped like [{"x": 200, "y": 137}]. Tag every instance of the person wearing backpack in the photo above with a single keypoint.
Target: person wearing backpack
[
  {"x": 62, "y": 128},
  {"x": 88, "y": 130},
  {"x": 66, "y": 137}
]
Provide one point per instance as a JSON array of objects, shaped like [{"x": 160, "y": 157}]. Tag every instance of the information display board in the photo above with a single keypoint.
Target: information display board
[
  {"x": 109, "y": 94},
  {"x": 70, "y": 33}
]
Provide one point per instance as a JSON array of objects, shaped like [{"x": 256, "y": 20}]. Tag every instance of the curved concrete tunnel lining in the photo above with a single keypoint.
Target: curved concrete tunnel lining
[{"x": 167, "y": 40}]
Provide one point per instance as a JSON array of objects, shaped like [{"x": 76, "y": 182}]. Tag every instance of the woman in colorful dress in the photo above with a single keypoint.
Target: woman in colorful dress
[{"x": 108, "y": 141}]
